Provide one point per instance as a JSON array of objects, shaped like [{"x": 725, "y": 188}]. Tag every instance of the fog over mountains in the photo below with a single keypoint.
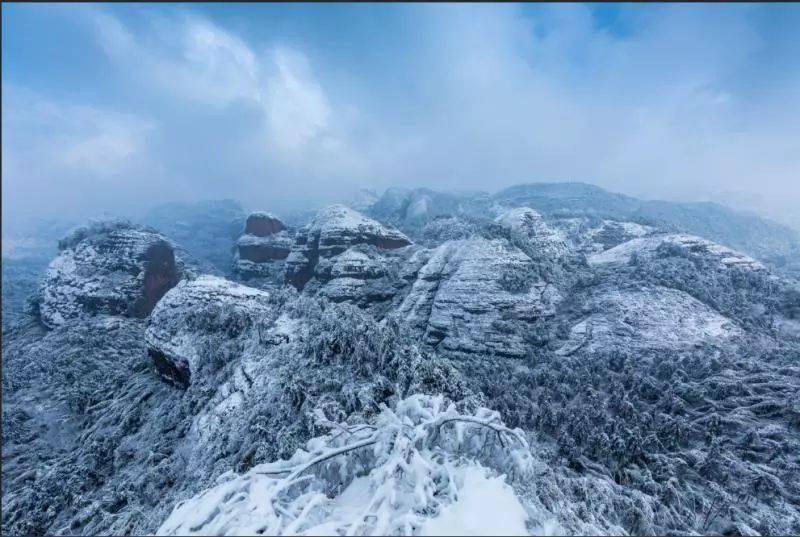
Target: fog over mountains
[{"x": 571, "y": 360}]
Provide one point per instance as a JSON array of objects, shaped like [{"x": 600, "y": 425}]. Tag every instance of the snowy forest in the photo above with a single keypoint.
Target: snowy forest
[{"x": 549, "y": 359}]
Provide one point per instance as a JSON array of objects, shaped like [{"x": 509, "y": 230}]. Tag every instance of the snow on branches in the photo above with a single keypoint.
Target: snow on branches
[{"x": 389, "y": 478}]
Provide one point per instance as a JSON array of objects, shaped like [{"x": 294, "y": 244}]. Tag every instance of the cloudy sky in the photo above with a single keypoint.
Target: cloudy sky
[{"x": 118, "y": 107}]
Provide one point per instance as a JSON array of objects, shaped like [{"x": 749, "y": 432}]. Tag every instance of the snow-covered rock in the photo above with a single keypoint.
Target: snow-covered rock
[
  {"x": 647, "y": 318},
  {"x": 356, "y": 275},
  {"x": 343, "y": 254},
  {"x": 589, "y": 236},
  {"x": 478, "y": 296},
  {"x": 686, "y": 244},
  {"x": 200, "y": 322},
  {"x": 111, "y": 268},
  {"x": 529, "y": 224},
  {"x": 256, "y": 249},
  {"x": 262, "y": 249}
]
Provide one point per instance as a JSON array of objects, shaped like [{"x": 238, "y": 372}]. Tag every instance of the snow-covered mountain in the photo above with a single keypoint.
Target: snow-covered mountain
[{"x": 544, "y": 360}]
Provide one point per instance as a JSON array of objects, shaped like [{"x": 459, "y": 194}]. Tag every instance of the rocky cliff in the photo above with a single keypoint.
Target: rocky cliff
[
  {"x": 345, "y": 256},
  {"x": 262, "y": 249},
  {"x": 111, "y": 268}
]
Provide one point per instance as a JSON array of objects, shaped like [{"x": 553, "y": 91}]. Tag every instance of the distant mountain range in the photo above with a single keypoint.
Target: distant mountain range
[{"x": 768, "y": 241}]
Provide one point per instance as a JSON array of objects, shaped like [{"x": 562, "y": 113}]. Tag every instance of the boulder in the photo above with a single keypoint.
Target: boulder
[
  {"x": 478, "y": 296},
  {"x": 262, "y": 224},
  {"x": 111, "y": 268},
  {"x": 201, "y": 324}
]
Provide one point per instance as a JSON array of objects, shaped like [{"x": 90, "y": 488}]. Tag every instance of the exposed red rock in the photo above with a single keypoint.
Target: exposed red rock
[{"x": 263, "y": 225}]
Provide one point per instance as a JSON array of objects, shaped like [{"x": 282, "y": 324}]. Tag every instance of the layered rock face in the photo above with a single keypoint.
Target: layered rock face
[
  {"x": 108, "y": 268},
  {"x": 340, "y": 251},
  {"x": 478, "y": 296},
  {"x": 201, "y": 323},
  {"x": 262, "y": 249}
]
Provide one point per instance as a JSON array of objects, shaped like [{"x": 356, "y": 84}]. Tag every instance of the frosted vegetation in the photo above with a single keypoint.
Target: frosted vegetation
[
  {"x": 538, "y": 361},
  {"x": 396, "y": 475}
]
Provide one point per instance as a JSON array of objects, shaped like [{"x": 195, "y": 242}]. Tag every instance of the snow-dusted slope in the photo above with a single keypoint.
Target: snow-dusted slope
[
  {"x": 647, "y": 318},
  {"x": 647, "y": 246}
]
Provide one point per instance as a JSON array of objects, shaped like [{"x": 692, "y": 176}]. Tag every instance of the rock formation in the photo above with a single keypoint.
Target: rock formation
[
  {"x": 263, "y": 224},
  {"x": 545, "y": 241},
  {"x": 201, "y": 322},
  {"x": 108, "y": 268},
  {"x": 322, "y": 252},
  {"x": 262, "y": 249},
  {"x": 478, "y": 296}
]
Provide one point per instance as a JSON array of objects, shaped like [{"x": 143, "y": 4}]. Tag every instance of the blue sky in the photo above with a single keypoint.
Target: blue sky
[{"x": 117, "y": 107}]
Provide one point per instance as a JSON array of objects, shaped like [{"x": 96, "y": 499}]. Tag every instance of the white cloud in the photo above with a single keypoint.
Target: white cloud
[
  {"x": 479, "y": 96},
  {"x": 62, "y": 158},
  {"x": 296, "y": 105},
  {"x": 95, "y": 142},
  {"x": 194, "y": 59},
  {"x": 107, "y": 142},
  {"x": 189, "y": 57},
  {"x": 660, "y": 112}
]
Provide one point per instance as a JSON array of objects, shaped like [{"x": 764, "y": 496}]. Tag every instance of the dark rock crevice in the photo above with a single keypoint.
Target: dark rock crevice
[
  {"x": 160, "y": 275},
  {"x": 175, "y": 372}
]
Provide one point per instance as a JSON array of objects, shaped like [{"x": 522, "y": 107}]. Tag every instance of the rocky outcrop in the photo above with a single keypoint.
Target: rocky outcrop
[
  {"x": 363, "y": 275},
  {"x": 109, "y": 268},
  {"x": 674, "y": 244},
  {"x": 262, "y": 224},
  {"x": 203, "y": 323},
  {"x": 478, "y": 296},
  {"x": 544, "y": 240},
  {"x": 262, "y": 249},
  {"x": 333, "y": 232}
]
